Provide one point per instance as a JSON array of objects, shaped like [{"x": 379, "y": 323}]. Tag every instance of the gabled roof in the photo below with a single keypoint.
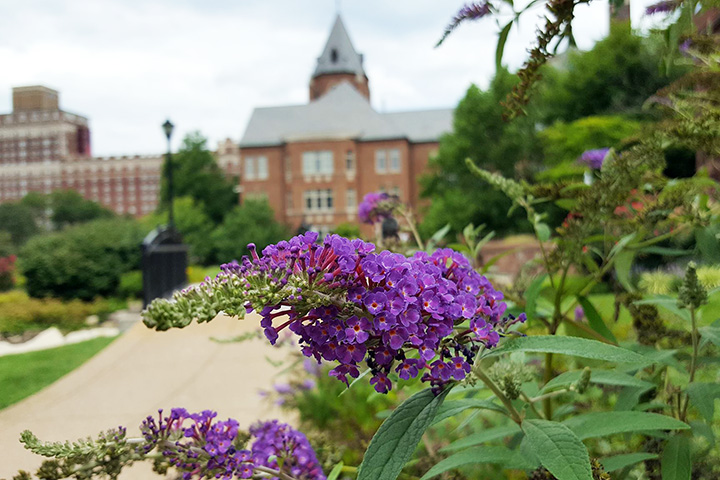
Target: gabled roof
[
  {"x": 339, "y": 55},
  {"x": 341, "y": 113}
]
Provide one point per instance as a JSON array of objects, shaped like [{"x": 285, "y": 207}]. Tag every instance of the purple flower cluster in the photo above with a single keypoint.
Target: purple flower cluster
[
  {"x": 277, "y": 443},
  {"x": 594, "y": 158},
  {"x": 424, "y": 315},
  {"x": 376, "y": 206},
  {"x": 200, "y": 447},
  {"x": 665, "y": 6}
]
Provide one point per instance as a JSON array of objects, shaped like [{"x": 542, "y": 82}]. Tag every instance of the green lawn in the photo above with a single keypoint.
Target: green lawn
[{"x": 23, "y": 374}]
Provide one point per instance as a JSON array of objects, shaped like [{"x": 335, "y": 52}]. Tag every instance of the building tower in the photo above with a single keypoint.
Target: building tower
[{"x": 339, "y": 62}]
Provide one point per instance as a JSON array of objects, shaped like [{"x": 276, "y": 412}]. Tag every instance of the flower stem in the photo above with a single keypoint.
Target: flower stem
[{"x": 514, "y": 415}]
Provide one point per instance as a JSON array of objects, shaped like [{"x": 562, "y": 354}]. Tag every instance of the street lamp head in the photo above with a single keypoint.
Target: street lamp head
[{"x": 168, "y": 128}]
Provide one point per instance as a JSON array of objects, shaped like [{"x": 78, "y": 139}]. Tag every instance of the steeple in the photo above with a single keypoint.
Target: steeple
[{"x": 338, "y": 62}]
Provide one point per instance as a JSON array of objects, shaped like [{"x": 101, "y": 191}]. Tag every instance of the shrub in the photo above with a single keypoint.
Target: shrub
[
  {"x": 7, "y": 270},
  {"x": 131, "y": 285},
  {"x": 81, "y": 262}
]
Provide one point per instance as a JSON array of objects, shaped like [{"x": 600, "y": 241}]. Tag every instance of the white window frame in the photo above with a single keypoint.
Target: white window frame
[
  {"x": 394, "y": 160},
  {"x": 318, "y": 162},
  {"x": 319, "y": 201},
  {"x": 249, "y": 171},
  {"x": 381, "y": 161},
  {"x": 262, "y": 171}
]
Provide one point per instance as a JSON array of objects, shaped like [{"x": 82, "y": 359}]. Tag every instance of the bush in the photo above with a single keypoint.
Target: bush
[
  {"x": 131, "y": 285},
  {"x": 20, "y": 313},
  {"x": 81, "y": 262},
  {"x": 7, "y": 271}
]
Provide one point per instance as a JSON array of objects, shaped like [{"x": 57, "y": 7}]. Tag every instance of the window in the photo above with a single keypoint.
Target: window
[
  {"x": 317, "y": 163},
  {"x": 381, "y": 161},
  {"x": 350, "y": 161},
  {"x": 394, "y": 155},
  {"x": 318, "y": 201},
  {"x": 262, "y": 168},
  {"x": 387, "y": 161},
  {"x": 249, "y": 168},
  {"x": 350, "y": 199}
]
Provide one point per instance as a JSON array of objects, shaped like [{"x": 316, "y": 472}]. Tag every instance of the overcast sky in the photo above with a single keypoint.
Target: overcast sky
[{"x": 128, "y": 65}]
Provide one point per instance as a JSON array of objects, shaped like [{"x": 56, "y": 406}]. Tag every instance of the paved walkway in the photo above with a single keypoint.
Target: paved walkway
[{"x": 139, "y": 373}]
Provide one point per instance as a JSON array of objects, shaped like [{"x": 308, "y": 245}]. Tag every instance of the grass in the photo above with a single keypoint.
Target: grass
[{"x": 23, "y": 374}]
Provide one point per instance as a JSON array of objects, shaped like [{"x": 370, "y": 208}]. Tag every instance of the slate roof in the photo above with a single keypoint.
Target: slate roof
[
  {"x": 339, "y": 55},
  {"x": 342, "y": 113}
]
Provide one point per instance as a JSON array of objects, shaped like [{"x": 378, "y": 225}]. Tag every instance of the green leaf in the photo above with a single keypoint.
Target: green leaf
[
  {"x": 439, "y": 235},
  {"x": 496, "y": 258},
  {"x": 335, "y": 472},
  {"x": 702, "y": 396},
  {"x": 482, "y": 437},
  {"x": 454, "y": 407},
  {"x": 668, "y": 303},
  {"x": 559, "y": 449},
  {"x": 623, "y": 263},
  {"x": 675, "y": 462},
  {"x": 600, "y": 424},
  {"x": 568, "y": 204},
  {"x": 617, "y": 462},
  {"x": 621, "y": 244},
  {"x": 708, "y": 244},
  {"x": 485, "y": 454},
  {"x": 670, "y": 252},
  {"x": 531, "y": 296},
  {"x": 575, "y": 346},
  {"x": 595, "y": 320},
  {"x": 502, "y": 38},
  {"x": 396, "y": 439},
  {"x": 605, "y": 377},
  {"x": 712, "y": 334},
  {"x": 542, "y": 231}
]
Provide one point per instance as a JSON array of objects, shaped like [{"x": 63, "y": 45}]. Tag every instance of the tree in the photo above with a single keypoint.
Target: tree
[
  {"x": 18, "y": 220},
  {"x": 192, "y": 222},
  {"x": 82, "y": 261},
  {"x": 196, "y": 174},
  {"x": 480, "y": 133},
  {"x": 63, "y": 208},
  {"x": 616, "y": 76},
  {"x": 253, "y": 221}
]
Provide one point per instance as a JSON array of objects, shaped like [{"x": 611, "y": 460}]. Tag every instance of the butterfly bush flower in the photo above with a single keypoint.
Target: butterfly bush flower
[
  {"x": 469, "y": 11},
  {"x": 377, "y": 206},
  {"x": 198, "y": 446},
  {"x": 665, "y": 6},
  {"x": 594, "y": 158},
  {"x": 426, "y": 315}
]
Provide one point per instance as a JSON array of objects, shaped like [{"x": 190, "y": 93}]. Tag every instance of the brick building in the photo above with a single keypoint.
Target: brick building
[
  {"x": 315, "y": 162},
  {"x": 44, "y": 148}
]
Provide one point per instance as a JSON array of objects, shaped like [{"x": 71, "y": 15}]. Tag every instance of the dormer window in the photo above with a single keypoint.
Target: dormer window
[{"x": 333, "y": 55}]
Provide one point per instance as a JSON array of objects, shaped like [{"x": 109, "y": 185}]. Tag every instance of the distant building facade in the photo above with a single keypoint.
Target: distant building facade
[
  {"x": 315, "y": 162},
  {"x": 43, "y": 148}
]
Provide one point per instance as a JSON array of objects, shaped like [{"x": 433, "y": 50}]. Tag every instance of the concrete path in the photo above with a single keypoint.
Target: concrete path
[{"x": 139, "y": 373}]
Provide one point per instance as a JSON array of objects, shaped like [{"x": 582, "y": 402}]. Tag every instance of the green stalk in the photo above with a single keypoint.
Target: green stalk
[{"x": 514, "y": 415}]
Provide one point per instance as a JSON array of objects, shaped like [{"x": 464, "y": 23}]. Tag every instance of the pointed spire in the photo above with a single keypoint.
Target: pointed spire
[{"x": 339, "y": 55}]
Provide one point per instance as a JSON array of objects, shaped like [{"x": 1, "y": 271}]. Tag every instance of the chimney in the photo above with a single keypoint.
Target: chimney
[{"x": 35, "y": 98}]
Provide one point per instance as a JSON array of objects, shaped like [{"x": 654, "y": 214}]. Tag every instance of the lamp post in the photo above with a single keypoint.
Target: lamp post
[{"x": 168, "y": 129}]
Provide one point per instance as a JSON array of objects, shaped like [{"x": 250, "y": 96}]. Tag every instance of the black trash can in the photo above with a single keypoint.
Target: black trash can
[{"x": 164, "y": 263}]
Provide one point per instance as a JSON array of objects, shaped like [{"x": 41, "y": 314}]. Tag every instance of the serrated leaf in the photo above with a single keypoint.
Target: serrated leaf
[
  {"x": 617, "y": 462},
  {"x": 605, "y": 377},
  {"x": 601, "y": 424},
  {"x": 485, "y": 454},
  {"x": 702, "y": 396},
  {"x": 335, "y": 472},
  {"x": 559, "y": 449},
  {"x": 675, "y": 462},
  {"x": 396, "y": 439},
  {"x": 575, "y": 346},
  {"x": 482, "y": 437},
  {"x": 595, "y": 320},
  {"x": 455, "y": 407}
]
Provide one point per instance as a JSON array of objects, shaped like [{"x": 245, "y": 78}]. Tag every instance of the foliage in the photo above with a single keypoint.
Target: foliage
[
  {"x": 17, "y": 220},
  {"x": 565, "y": 142},
  {"x": 478, "y": 133},
  {"x": 23, "y": 374},
  {"x": 196, "y": 174},
  {"x": 63, "y": 208},
  {"x": 251, "y": 222},
  {"x": 20, "y": 313},
  {"x": 7, "y": 272},
  {"x": 193, "y": 224},
  {"x": 81, "y": 262},
  {"x": 131, "y": 284},
  {"x": 347, "y": 230}
]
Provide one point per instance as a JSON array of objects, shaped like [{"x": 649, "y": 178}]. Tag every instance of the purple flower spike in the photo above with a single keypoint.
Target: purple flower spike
[
  {"x": 666, "y": 6},
  {"x": 594, "y": 158}
]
